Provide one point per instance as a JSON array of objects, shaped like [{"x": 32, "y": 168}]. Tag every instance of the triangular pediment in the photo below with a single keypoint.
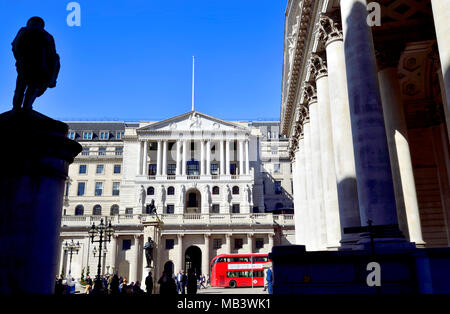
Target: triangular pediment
[{"x": 193, "y": 121}]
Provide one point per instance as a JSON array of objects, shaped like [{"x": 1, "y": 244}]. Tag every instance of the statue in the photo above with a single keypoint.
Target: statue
[
  {"x": 194, "y": 121},
  {"x": 142, "y": 196},
  {"x": 228, "y": 194},
  {"x": 37, "y": 63},
  {"x": 148, "y": 247},
  {"x": 151, "y": 208},
  {"x": 182, "y": 194}
]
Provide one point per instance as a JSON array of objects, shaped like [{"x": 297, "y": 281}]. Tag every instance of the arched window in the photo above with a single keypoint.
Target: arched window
[
  {"x": 151, "y": 190},
  {"x": 114, "y": 210},
  {"x": 170, "y": 190},
  {"x": 79, "y": 210},
  {"x": 215, "y": 190},
  {"x": 235, "y": 190},
  {"x": 97, "y": 211}
]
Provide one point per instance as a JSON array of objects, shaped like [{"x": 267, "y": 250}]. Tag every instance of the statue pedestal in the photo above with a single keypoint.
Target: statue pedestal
[
  {"x": 35, "y": 159},
  {"x": 152, "y": 229}
]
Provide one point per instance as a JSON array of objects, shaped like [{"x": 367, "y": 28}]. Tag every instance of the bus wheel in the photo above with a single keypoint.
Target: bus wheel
[{"x": 233, "y": 284}]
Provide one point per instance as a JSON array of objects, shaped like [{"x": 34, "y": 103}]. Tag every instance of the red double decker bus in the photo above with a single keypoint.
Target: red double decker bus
[{"x": 238, "y": 270}]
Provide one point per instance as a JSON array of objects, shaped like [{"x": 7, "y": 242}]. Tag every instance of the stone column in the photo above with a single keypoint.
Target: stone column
[
  {"x": 145, "y": 159},
  {"x": 302, "y": 212},
  {"x": 202, "y": 157},
  {"x": 316, "y": 167},
  {"x": 241, "y": 157},
  {"x": 441, "y": 16},
  {"x": 270, "y": 241},
  {"x": 113, "y": 251},
  {"x": 228, "y": 243},
  {"x": 140, "y": 171},
  {"x": 205, "y": 255},
  {"x": 250, "y": 242},
  {"x": 330, "y": 198},
  {"x": 178, "y": 166},
  {"x": 311, "y": 239},
  {"x": 208, "y": 157},
  {"x": 400, "y": 157},
  {"x": 344, "y": 160},
  {"x": 164, "y": 158},
  {"x": 227, "y": 157},
  {"x": 180, "y": 253},
  {"x": 247, "y": 161},
  {"x": 158, "y": 159},
  {"x": 183, "y": 161},
  {"x": 134, "y": 264},
  {"x": 221, "y": 158},
  {"x": 373, "y": 170}
]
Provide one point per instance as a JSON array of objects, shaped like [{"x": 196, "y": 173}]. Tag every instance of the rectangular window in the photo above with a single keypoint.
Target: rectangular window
[
  {"x": 277, "y": 187},
  {"x": 117, "y": 168},
  {"x": 116, "y": 188},
  {"x": 233, "y": 169},
  {"x": 170, "y": 244},
  {"x": 119, "y": 151},
  {"x": 238, "y": 244},
  {"x": 235, "y": 209},
  {"x": 119, "y": 135},
  {"x": 193, "y": 168},
  {"x": 129, "y": 211},
  {"x": 87, "y": 135},
  {"x": 276, "y": 168},
  {"x": 259, "y": 243},
  {"x": 152, "y": 170},
  {"x": 71, "y": 135},
  {"x": 85, "y": 151},
  {"x": 102, "y": 151},
  {"x": 81, "y": 188},
  {"x": 171, "y": 169},
  {"x": 126, "y": 245},
  {"x": 83, "y": 169},
  {"x": 170, "y": 209},
  {"x": 217, "y": 243},
  {"x": 104, "y": 135},
  {"x": 100, "y": 169},
  {"x": 98, "y": 188},
  {"x": 214, "y": 169},
  {"x": 215, "y": 208}
]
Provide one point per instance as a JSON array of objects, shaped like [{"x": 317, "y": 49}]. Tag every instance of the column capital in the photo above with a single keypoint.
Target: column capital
[
  {"x": 329, "y": 28},
  {"x": 180, "y": 235},
  {"x": 317, "y": 65},
  {"x": 309, "y": 92}
]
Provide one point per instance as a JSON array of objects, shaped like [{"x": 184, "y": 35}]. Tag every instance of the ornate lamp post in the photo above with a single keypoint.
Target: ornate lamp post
[
  {"x": 104, "y": 233},
  {"x": 71, "y": 248}
]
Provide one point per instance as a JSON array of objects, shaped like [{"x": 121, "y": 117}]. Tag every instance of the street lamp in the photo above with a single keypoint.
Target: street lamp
[
  {"x": 104, "y": 232},
  {"x": 71, "y": 247}
]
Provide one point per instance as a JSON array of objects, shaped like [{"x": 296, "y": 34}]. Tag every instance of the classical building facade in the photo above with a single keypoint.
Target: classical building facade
[
  {"x": 366, "y": 108},
  {"x": 217, "y": 186}
]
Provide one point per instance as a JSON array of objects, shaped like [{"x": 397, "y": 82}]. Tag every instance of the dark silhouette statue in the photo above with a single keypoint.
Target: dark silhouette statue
[
  {"x": 151, "y": 208},
  {"x": 37, "y": 63},
  {"x": 148, "y": 247}
]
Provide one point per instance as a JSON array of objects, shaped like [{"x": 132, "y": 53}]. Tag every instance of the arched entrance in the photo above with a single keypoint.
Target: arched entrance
[
  {"x": 168, "y": 266},
  {"x": 193, "y": 259},
  {"x": 193, "y": 201}
]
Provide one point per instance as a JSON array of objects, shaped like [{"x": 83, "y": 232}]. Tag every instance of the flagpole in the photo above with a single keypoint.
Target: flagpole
[{"x": 193, "y": 80}]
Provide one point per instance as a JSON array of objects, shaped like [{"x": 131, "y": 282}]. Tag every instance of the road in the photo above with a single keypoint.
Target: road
[{"x": 215, "y": 290}]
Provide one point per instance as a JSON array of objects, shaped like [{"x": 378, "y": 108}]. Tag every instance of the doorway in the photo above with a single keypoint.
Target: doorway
[{"x": 193, "y": 260}]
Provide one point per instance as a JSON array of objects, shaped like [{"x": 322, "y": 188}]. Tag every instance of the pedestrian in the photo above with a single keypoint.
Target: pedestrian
[
  {"x": 167, "y": 284},
  {"x": 137, "y": 288},
  {"x": 202, "y": 281},
  {"x": 269, "y": 278},
  {"x": 89, "y": 280},
  {"x": 114, "y": 285},
  {"x": 149, "y": 283},
  {"x": 184, "y": 280},
  {"x": 123, "y": 286},
  {"x": 191, "y": 282},
  {"x": 179, "y": 280}
]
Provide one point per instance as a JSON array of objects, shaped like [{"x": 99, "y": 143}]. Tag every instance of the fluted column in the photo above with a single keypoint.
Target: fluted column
[
  {"x": 145, "y": 159},
  {"x": 344, "y": 160},
  {"x": 183, "y": 161},
  {"x": 202, "y": 157},
  {"x": 179, "y": 253},
  {"x": 241, "y": 157},
  {"x": 441, "y": 16},
  {"x": 158, "y": 159},
  {"x": 208, "y": 157},
  {"x": 397, "y": 135},
  {"x": 330, "y": 198},
  {"x": 178, "y": 166},
  {"x": 247, "y": 161},
  {"x": 311, "y": 240},
  {"x": 227, "y": 157},
  {"x": 373, "y": 170},
  {"x": 205, "y": 255},
  {"x": 164, "y": 158},
  {"x": 316, "y": 178}
]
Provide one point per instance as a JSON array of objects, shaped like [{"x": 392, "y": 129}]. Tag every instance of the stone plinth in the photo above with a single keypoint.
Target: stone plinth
[
  {"x": 35, "y": 157},
  {"x": 404, "y": 270},
  {"x": 152, "y": 228}
]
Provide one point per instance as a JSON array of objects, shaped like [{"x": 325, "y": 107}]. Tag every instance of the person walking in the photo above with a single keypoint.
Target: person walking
[
  {"x": 149, "y": 283},
  {"x": 269, "y": 278},
  {"x": 167, "y": 283}
]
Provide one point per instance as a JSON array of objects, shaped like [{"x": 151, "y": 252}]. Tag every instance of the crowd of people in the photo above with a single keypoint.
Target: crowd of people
[{"x": 180, "y": 283}]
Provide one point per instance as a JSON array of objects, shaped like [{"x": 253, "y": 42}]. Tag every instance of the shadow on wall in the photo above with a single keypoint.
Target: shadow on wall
[{"x": 276, "y": 200}]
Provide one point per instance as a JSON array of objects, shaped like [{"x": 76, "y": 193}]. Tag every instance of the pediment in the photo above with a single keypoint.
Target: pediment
[{"x": 192, "y": 121}]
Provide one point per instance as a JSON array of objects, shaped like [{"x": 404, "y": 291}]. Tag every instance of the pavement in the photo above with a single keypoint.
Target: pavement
[{"x": 221, "y": 290}]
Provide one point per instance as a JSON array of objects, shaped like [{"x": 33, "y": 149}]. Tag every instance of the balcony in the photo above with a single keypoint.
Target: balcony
[{"x": 190, "y": 219}]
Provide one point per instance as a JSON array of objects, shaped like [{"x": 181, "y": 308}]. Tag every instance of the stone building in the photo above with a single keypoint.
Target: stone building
[
  {"x": 208, "y": 179},
  {"x": 366, "y": 108}
]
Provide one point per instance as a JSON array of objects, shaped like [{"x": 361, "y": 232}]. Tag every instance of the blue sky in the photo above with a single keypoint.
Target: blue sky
[{"x": 132, "y": 59}]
